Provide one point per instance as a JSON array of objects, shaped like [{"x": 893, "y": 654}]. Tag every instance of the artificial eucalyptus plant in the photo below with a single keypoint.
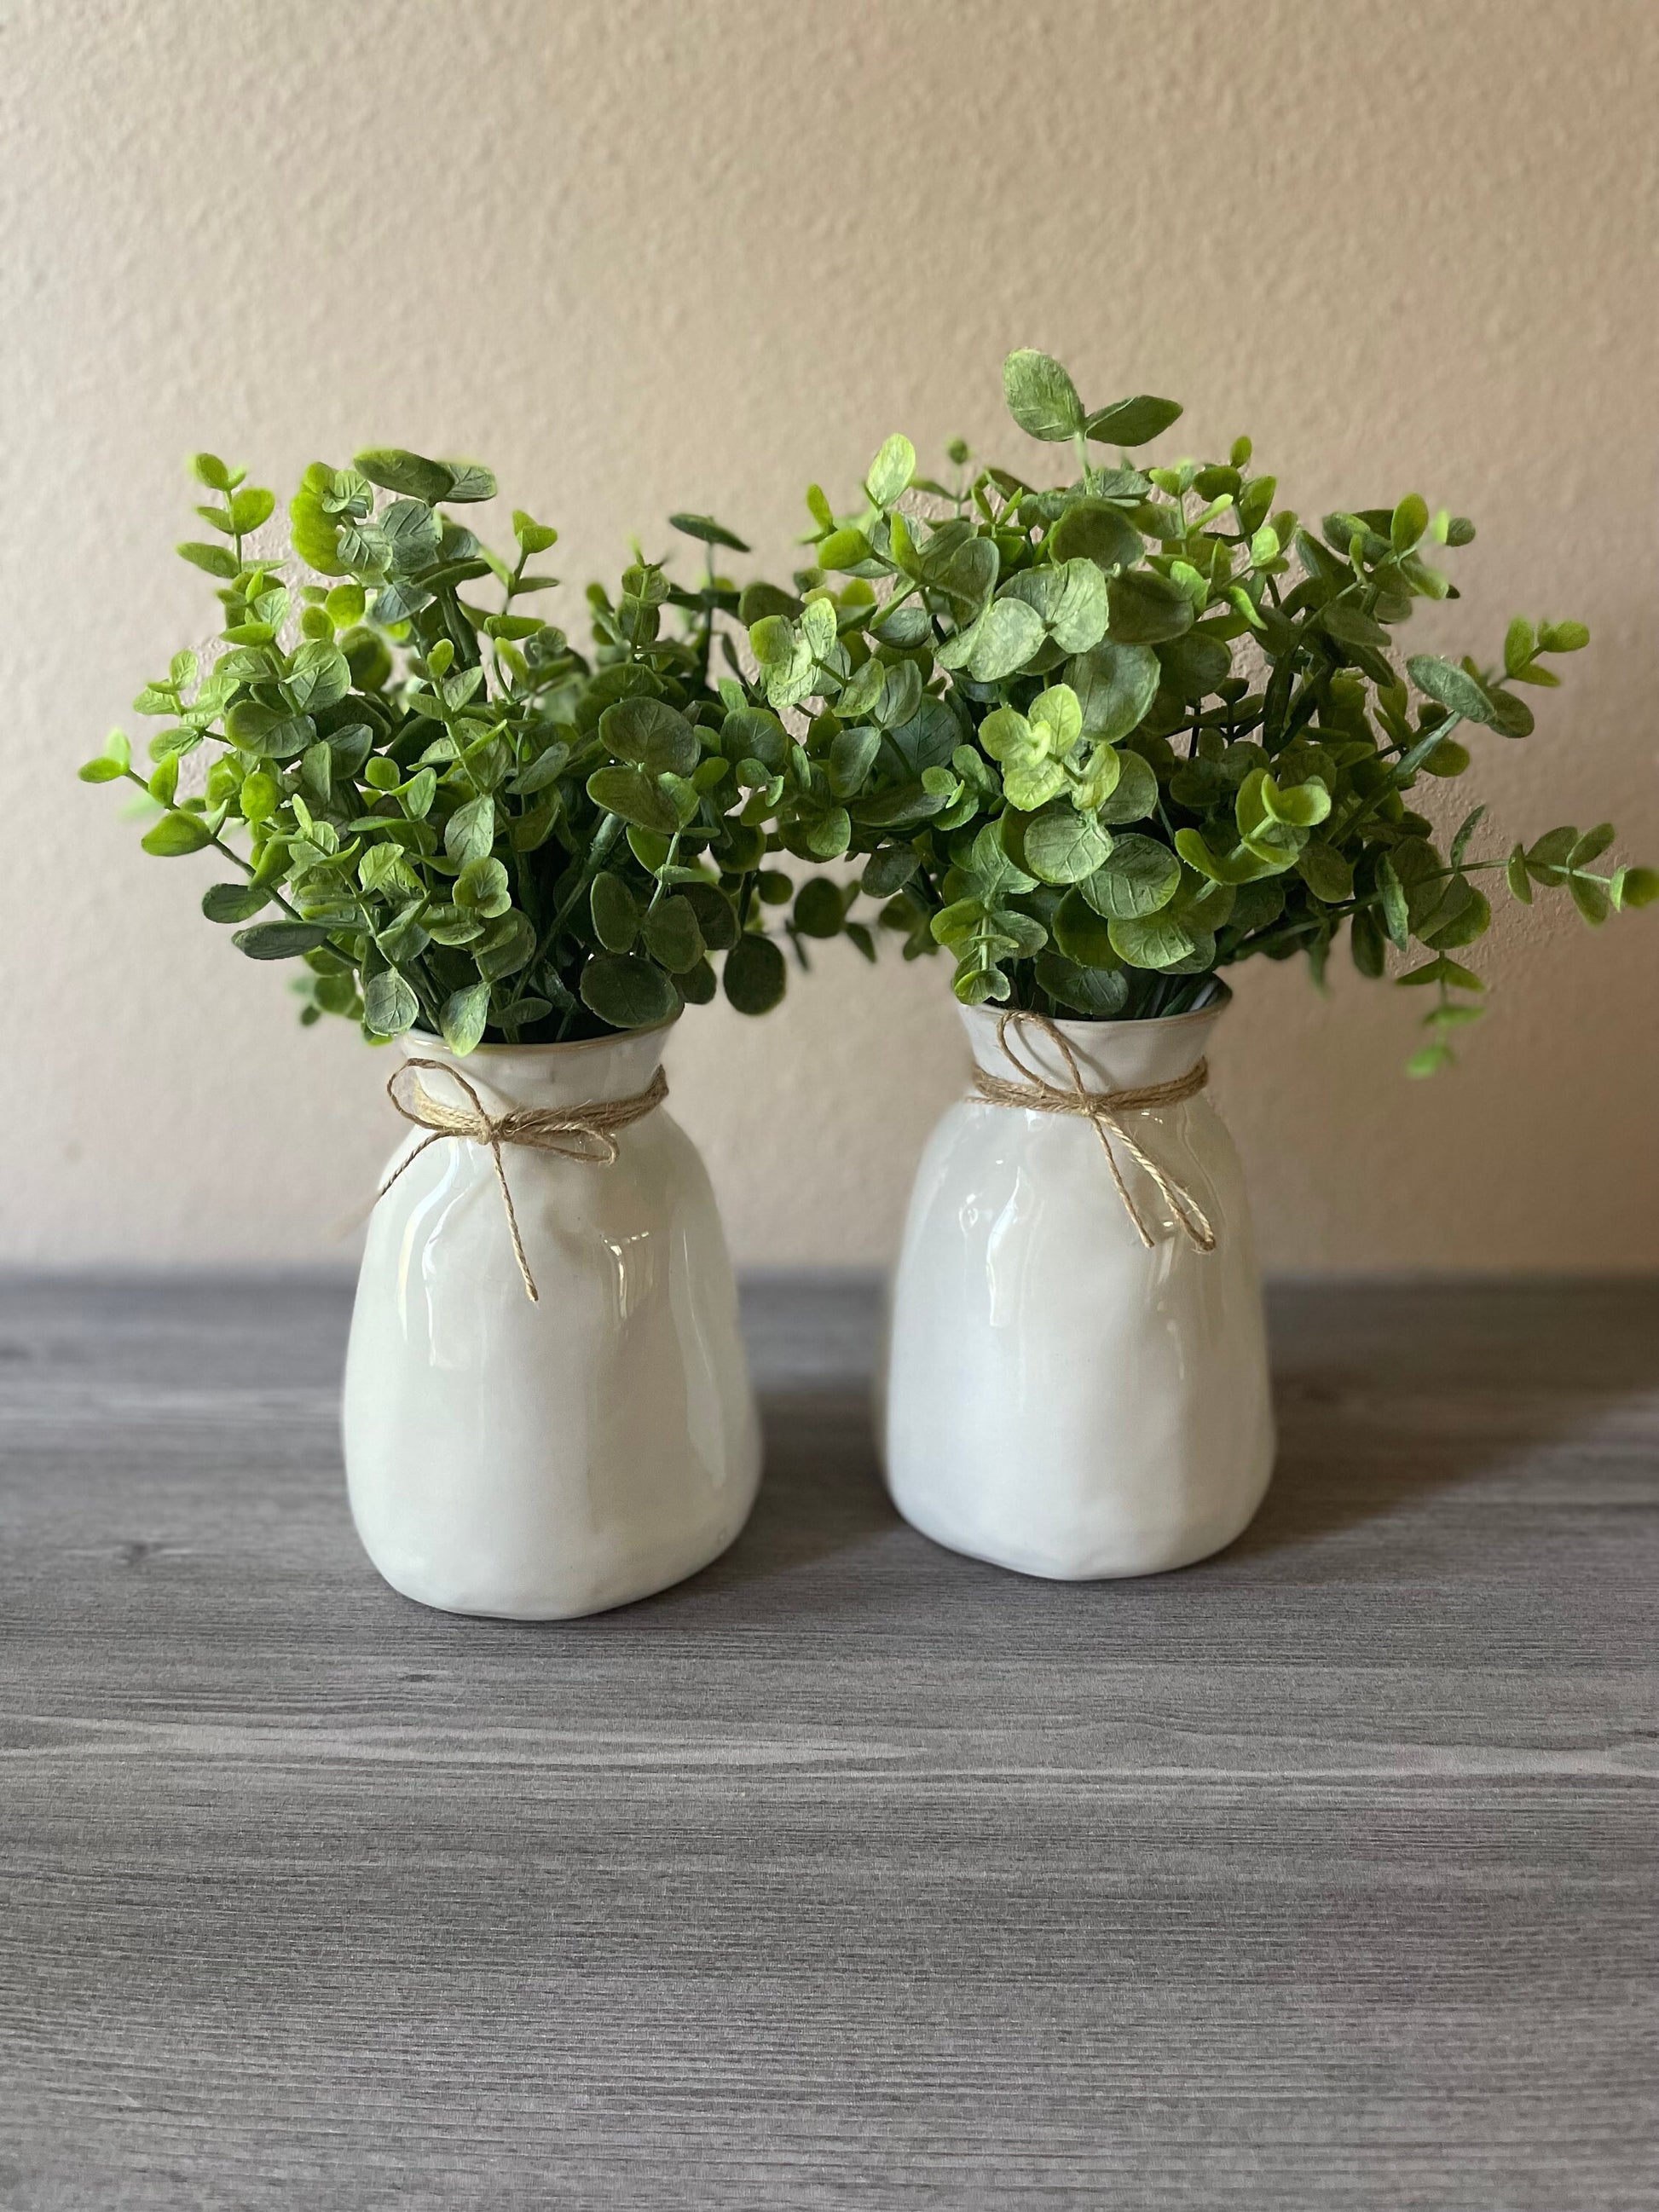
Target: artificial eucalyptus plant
[
  {"x": 1106, "y": 738},
  {"x": 453, "y": 819}
]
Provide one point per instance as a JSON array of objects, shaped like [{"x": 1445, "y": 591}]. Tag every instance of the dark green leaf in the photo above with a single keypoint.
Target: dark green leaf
[
  {"x": 705, "y": 528},
  {"x": 235, "y": 901},
  {"x": 629, "y": 992},
  {"x": 410, "y": 474},
  {"x": 1133, "y": 422},
  {"x": 281, "y": 940},
  {"x": 755, "y": 975}
]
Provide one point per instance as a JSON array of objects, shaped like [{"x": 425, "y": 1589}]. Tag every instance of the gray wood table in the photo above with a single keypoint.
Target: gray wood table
[{"x": 1321, "y": 1876}]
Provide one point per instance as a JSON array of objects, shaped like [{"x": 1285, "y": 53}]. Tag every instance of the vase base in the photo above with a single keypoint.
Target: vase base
[
  {"x": 1120, "y": 1560},
  {"x": 573, "y": 1600}
]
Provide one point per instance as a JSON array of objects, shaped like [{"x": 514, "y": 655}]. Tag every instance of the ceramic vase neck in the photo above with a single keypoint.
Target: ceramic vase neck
[
  {"x": 1112, "y": 1055},
  {"x": 549, "y": 1075}
]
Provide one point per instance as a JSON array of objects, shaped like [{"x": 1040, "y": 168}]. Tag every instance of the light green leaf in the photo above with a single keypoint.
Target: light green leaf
[
  {"x": 1041, "y": 396},
  {"x": 175, "y": 835},
  {"x": 390, "y": 1005},
  {"x": 464, "y": 1016},
  {"x": 1062, "y": 846},
  {"x": 1116, "y": 684},
  {"x": 890, "y": 472},
  {"x": 1158, "y": 941},
  {"x": 1139, "y": 876}
]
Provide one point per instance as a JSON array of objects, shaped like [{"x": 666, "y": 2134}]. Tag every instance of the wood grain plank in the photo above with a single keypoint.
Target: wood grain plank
[{"x": 1321, "y": 1876}]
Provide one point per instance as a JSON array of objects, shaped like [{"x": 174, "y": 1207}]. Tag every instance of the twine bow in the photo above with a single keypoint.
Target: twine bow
[
  {"x": 586, "y": 1132},
  {"x": 1106, "y": 1109}
]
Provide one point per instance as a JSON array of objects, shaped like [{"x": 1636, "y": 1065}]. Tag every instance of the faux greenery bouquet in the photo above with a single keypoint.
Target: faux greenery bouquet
[
  {"x": 453, "y": 819},
  {"x": 1105, "y": 739}
]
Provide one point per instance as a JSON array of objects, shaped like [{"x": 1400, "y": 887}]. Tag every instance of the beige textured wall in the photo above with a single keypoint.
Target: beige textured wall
[{"x": 640, "y": 254}]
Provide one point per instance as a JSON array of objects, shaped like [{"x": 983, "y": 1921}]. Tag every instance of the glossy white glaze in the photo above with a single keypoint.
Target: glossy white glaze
[
  {"x": 543, "y": 1461},
  {"x": 1059, "y": 1399}
]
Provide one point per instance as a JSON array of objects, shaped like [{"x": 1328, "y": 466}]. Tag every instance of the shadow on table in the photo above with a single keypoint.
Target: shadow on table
[
  {"x": 821, "y": 1488},
  {"x": 1402, "y": 1391}
]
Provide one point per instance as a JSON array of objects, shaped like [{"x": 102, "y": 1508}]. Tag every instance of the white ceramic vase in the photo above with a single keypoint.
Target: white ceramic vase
[
  {"x": 539, "y": 1460},
  {"x": 1059, "y": 1398}
]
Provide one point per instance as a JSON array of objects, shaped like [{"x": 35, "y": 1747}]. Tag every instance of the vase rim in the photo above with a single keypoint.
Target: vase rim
[
  {"x": 570, "y": 1045},
  {"x": 1095, "y": 1024}
]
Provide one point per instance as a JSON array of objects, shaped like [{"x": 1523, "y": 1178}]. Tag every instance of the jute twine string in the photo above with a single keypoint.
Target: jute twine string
[
  {"x": 1106, "y": 1109},
  {"x": 586, "y": 1132}
]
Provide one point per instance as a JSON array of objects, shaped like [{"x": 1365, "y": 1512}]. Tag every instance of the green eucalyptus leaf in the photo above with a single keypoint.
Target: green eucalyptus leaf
[
  {"x": 1063, "y": 846},
  {"x": 755, "y": 975},
  {"x": 890, "y": 472},
  {"x": 235, "y": 901},
  {"x": 281, "y": 940},
  {"x": 1146, "y": 608},
  {"x": 1138, "y": 876},
  {"x": 175, "y": 835},
  {"x": 1133, "y": 422},
  {"x": 632, "y": 795},
  {"x": 1098, "y": 992},
  {"x": 627, "y": 992},
  {"x": 410, "y": 474},
  {"x": 390, "y": 1005},
  {"x": 1041, "y": 396},
  {"x": 615, "y": 911},
  {"x": 671, "y": 936},
  {"x": 464, "y": 1016},
  {"x": 1155, "y": 940}
]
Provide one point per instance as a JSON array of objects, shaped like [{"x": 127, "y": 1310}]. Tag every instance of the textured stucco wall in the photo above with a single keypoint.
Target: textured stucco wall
[{"x": 653, "y": 253}]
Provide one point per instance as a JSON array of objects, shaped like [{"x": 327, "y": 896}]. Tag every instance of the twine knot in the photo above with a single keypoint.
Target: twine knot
[
  {"x": 1106, "y": 1111},
  {"x": 586, "y": 1132}
]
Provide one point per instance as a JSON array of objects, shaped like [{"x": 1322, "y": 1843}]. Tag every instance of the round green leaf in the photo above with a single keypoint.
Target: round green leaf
[
  {"x": 1096, "y": 993},
  {"x": 650, "y": 734},
  {"x": 234, "y": 902},
  {"x": 1114, "y": 684},
  {"x": 819, "y": 908},
  {"x": 1146, "y": 608},
  {"x": 464, "y": 1016},
  {"x": 1001, "y": 641},
  {"x": 754, "y": 974},
  {"x": 1082, "y": 934},
  {"x": 1134, "y": 795},
  {"x": 1042, "y": 397},
  {"x": 629, "y": 992},
  {"x": 616, "y": 912},
  {"x": 671, "y": 936},
  {"x": 390, "y": 1007},
  {"x": 1153, "y": 941},
  {"x": 175, "y": 835},
  {"x": 1139, "y": 876},
  {"x": 1094, "y": 529},
  {"x": 1062, "y": 846},
  {"x": 629, "y": 793},
  {"x": 891, "y": 470}
]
